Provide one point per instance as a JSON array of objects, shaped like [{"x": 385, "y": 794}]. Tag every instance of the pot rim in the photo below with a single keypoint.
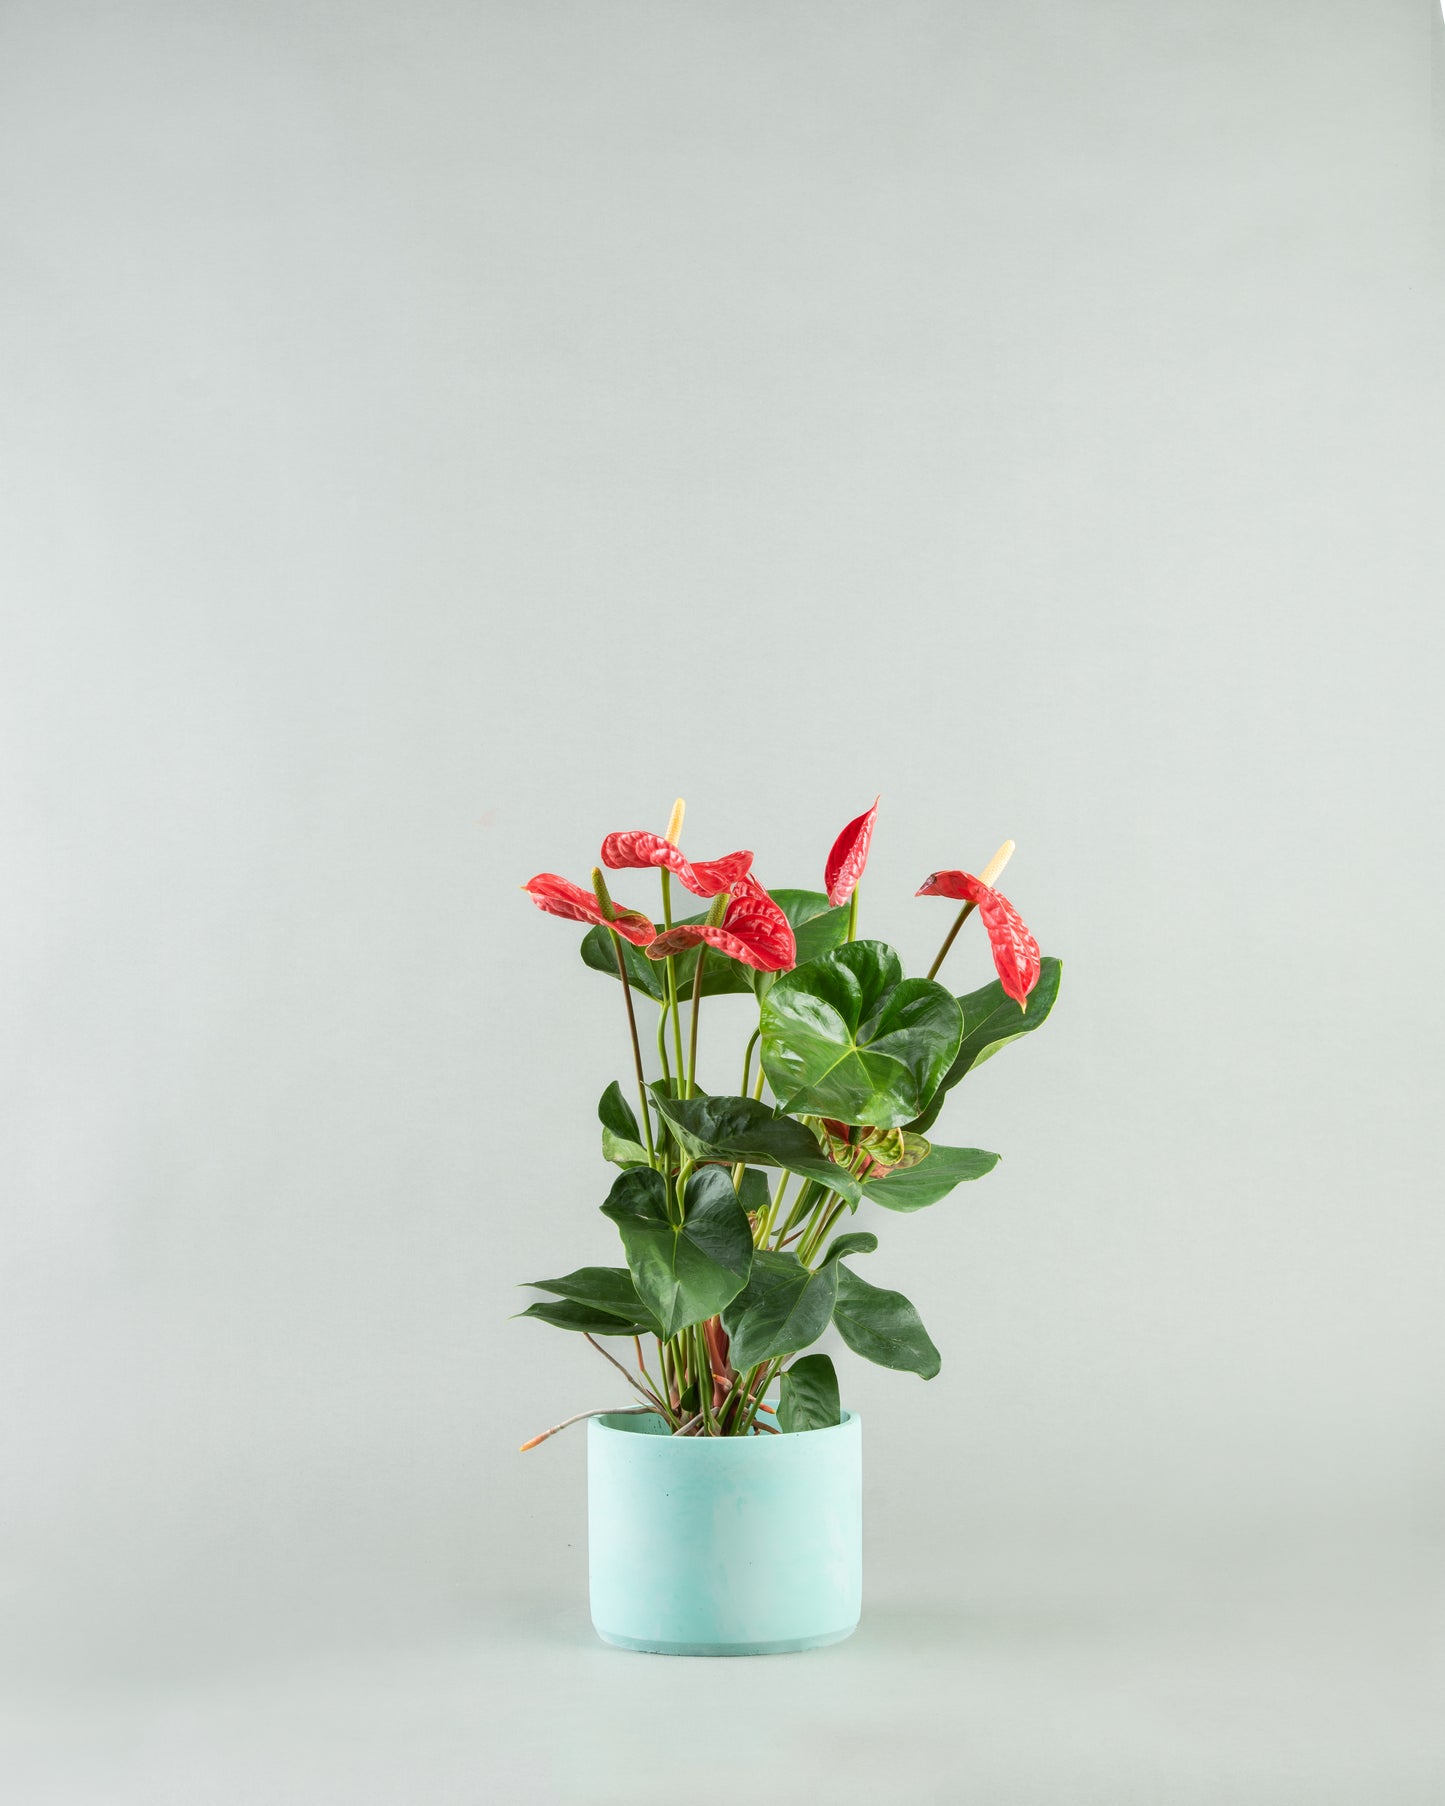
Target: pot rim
[{"x": 850, "y": 1420}]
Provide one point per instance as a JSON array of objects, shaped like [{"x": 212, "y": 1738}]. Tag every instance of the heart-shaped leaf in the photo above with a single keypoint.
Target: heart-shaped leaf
[
  {"x": 915, "y": 1187},
  {"x": 615, "y": 1113},
  {"x": 753, "y": 1192},
  {"x": 684, "y": 1272},
  {"x": 721, "y": 977},
  {"x": 990, "y": 1021},
  {"x": 858, "y": 1241},
  {"x": 782, "y": 1308},
  {"x": 808, "y": 1396},
  {"x": 586, "y": 1319},
  {"x": 744, "y": 1128},
  {"x": 601, "y": 1300},
  {"x": 883, "y": 1326},
  {"x": 621, "y": 1152},
  {"x": 817, "y": 927},
  {"x": 848, "y": 1037}
]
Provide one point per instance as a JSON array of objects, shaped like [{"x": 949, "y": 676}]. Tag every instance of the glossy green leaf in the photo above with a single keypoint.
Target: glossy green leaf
[
  {"x": 915, "y": 1187},
  {"x": 753, "y": 1191},
  {"x": 847, "y": 1036},
  {"x": 817, "y": 929},
  {"x": 883, "y": 1326},
  {"x": 990, "y": 1021},
  {"x": 610, "y": 1288},
  {"x": 684, "y": 1272},
  {"x": 858, "y": 1241},
  {"x": 621, "y": 1152},
  {"x": 721, "y": 977},
  {"x": 602, "y": 1290},
  {"x": 744, "y": 1128},
  {"x": 615, "y": 1113},
  {"x": 782, "y": 1308},
  {"x": 808, "y": 1396},
  {"x": 563, "y": 1313},
  {"x": 642, "y": 974}
]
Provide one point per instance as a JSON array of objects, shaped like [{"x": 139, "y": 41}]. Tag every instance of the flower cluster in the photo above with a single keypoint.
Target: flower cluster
[{"x": 753, "y": 928}]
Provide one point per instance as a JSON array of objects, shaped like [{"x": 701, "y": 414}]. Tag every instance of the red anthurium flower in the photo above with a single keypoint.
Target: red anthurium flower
[
  {"x": 1015, "y": 951},
  {"x": 631, "y": 852},
  {"x": 849, "y": 856},
  {"x": 558, "y": 897},
  {"x": 754, "y": 930}
]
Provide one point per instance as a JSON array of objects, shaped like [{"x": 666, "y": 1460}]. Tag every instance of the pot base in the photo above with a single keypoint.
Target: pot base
[{"x": 779, "y": 1646}]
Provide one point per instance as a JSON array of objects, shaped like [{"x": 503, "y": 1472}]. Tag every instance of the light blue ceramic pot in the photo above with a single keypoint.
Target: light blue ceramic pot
[{"x": 734, "y": 1545}]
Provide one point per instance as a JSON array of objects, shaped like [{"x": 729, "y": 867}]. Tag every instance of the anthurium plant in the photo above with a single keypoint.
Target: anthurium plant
[{"x": 734, "y": 1206}]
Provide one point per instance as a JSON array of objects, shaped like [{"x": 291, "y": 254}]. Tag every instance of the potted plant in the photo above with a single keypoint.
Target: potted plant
[{"x": 724, "y": 1516}]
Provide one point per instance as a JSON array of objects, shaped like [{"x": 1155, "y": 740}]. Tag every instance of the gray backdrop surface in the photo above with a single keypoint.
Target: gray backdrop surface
[{"x": 435, "y": 436}]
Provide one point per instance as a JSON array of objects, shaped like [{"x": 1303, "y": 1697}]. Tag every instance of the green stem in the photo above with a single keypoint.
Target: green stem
[
  {"x": 704, "y": 1379},
  {"x": 675, "y": 1005},
  {"x": 811, "y": 1243},
  {"x": 802, "y": 1204},
  {"x": 660, "y": 1390},
  {"x": 770, "y": 1373},
  {"x": 753, "y": 1040},
  {"x": 676, "y": 1354},
  {"x": 732, "y": 1405},
  {"x": 853, "y": 915},
  {"x": 636, "y": 1046},
  {"x": 950, "y": 938},
  {"x": 662, "y": 1043},
  {"x": 692, "y": 1022},
  {"x": 672, "y": 1001},
  {"x": 669, "y": 1379},
  {"x": 770, "y": 1214}
]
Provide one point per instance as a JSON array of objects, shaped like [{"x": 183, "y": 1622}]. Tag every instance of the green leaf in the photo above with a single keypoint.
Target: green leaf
[
  {"x": 563, "y": 1313},
  {"x": 860, "y": 1241},
  {"x": 883, "y": 1326},
  {"x": 817, "y": 928},
  {"x": 615, "y": 1113},
  {"x": 607, "y": 1290},
  {"x": 623, "y": 1153},
  {"x": 808, "y": 1395},
  {"x": 848, "y": 1036},
  {"x": 753, "y": 1192},
  {"x": 990, "y": 1021},
  {"x": 746, "y": 1129},
  {"x": 782, "y": 1308},
  {"x": 914, "y": 1187},
  {"x": 684, "y": 1272},
  {"x": 720, "y": 977},
  {"x": 642, "y": 974}
]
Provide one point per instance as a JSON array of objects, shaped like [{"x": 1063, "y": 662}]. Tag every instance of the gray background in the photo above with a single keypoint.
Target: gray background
[{"x": 436, "y": 435}]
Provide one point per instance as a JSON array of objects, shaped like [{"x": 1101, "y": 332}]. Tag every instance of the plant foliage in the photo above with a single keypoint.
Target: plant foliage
[{"x": 728, "y": 1202}]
